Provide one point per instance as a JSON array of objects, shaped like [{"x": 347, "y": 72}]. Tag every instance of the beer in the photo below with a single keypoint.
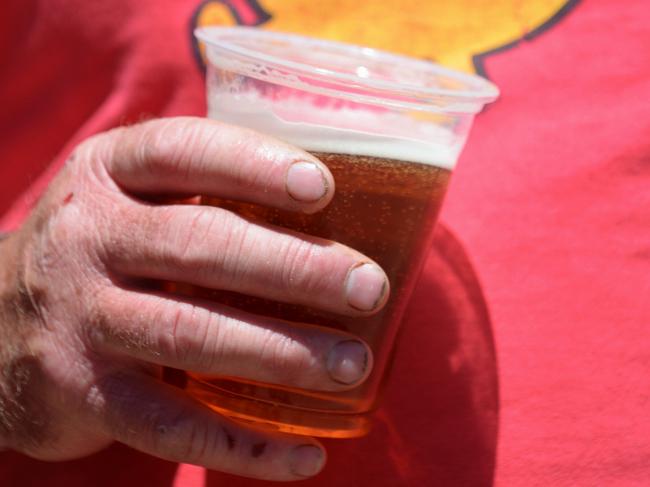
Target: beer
[
  {"x": 390, "y": 129},
  {"x": 384, "y": 208}
]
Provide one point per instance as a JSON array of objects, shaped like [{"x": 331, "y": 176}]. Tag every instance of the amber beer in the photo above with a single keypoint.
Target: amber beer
[
  {"x": 384, "y": 208},
  {"x": 390, "y": 129}
]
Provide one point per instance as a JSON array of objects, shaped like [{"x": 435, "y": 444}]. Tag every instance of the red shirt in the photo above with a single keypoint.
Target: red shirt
[{"x": 525, "y": 354}]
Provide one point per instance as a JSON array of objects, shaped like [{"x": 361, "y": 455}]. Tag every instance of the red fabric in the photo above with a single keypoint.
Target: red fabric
[
  {"x": 525, "y": 354},
  {"x": 552, "y": 202},
  {"x": 121, "y": 62}
]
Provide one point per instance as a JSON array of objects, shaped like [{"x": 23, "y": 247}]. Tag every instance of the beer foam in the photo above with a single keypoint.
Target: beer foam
[{"x": 384, "y": 133}]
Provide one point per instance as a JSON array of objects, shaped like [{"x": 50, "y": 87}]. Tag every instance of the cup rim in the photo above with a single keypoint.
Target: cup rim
[{"x": 480, "y": 93}]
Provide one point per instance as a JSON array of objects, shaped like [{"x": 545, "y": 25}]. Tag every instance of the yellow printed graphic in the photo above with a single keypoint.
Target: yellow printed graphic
[
  {"x": 450, "y": 32},
  {"x": 215, "y": 13}
]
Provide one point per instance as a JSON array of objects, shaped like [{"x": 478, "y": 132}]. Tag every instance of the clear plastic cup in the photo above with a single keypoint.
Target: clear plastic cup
[{"x": 390, "y": 129}]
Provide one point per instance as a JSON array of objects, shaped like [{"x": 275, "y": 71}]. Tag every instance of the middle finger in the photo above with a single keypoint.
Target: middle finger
[{"x": 214, "y": 248}]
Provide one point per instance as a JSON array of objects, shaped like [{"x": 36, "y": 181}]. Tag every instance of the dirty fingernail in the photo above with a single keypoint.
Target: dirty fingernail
[
  {"x": 306, "y": 182},
  {"x": 306, "y": 460},
  {"x": 347, "y": 361},
  {"x": 366, "y": 286}
]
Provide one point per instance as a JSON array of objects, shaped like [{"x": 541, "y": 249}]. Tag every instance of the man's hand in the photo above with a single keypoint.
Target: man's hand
[{"x": 82, "y": 344}]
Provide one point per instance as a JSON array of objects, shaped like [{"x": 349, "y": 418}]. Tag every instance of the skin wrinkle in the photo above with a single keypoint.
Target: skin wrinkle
[
  {"x": 155, "y": 235},
  {"x": 231, "y": 331},
  {"x": 97, "y": 309},
  {"x": 317, "y": 278},
  {"x": 208, "y": 358},
  {"x": 179, "y": 351},
  {"x": 234, "y": 261},
  {"x": 191, "y": 319},
  {"x": 90, "y": 166},
  {"x": 155, "y": 147},
  {"x": 179, "y": 243},
  {"x": 193, "y": 137},
  {"x": 199, "y": 231},
  {"x": 241, "y": 173},
  {"x": 223, "y": 241},
  {"x": 266, "y": 174},
  {"x": 287, "y": 357},
  {"x": 291, "y": 264},
  {"x": 249, "y": 239}
]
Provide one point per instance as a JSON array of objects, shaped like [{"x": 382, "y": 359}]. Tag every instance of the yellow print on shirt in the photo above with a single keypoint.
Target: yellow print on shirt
[{"x": 455, "y": 33}]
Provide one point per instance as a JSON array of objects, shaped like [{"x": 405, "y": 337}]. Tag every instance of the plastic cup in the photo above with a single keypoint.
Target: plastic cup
[{"x": 390, "y": 129}]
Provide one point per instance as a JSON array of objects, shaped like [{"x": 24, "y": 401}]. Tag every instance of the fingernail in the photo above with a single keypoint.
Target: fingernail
[
  {"x": 306, "y": 182},
  {"x": 306, "y": 460},
  {"x": 347, "y": 361},
  {"x": 366, "y": 287}
]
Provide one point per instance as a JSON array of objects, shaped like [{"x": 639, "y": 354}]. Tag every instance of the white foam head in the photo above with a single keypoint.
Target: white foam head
[{"x": 341, "y": 130}]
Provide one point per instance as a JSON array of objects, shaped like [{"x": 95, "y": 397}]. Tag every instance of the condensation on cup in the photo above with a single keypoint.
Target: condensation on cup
[{"x": 390, "y": 129}]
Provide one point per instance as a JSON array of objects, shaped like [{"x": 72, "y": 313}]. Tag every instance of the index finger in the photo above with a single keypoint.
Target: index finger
[{"x": 189, "y": 155}]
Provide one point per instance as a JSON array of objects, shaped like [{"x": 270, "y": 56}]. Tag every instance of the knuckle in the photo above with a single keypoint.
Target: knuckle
[
  {"x": 92, "y": 150},
  {"x": 157, "y": 149},
  {"x": 160, "y": 232},
  {"x": 211, "y": 352},
  {"x": 183, "y": 436},
  {"x": 301, "y": 268},
  {"x": 137, "y": 233},
  {"x": 257, "y": 162},
  {"x": 243, "y": 173},
  {"x": 190, "y": 336},
  {"x": 95, "y": 153},
  {"x": 236, "y": 259},
  {"x": 162, "y": 147},
  {"x": 185, "y": 239},
  {"x": 96, "y": 326},
  {"x": 285, "y": 358},
  {"x": 197, "y": 229},
  {"x": 181, "y": 328},
  {"x": 125, "y": 232}
]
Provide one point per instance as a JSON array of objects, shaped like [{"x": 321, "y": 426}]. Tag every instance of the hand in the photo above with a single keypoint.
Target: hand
[{"x": 82, "y": 345}]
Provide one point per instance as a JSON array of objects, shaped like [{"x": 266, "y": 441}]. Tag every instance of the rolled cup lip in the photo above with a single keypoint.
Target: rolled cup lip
[{"x": 227, "y": 40}]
